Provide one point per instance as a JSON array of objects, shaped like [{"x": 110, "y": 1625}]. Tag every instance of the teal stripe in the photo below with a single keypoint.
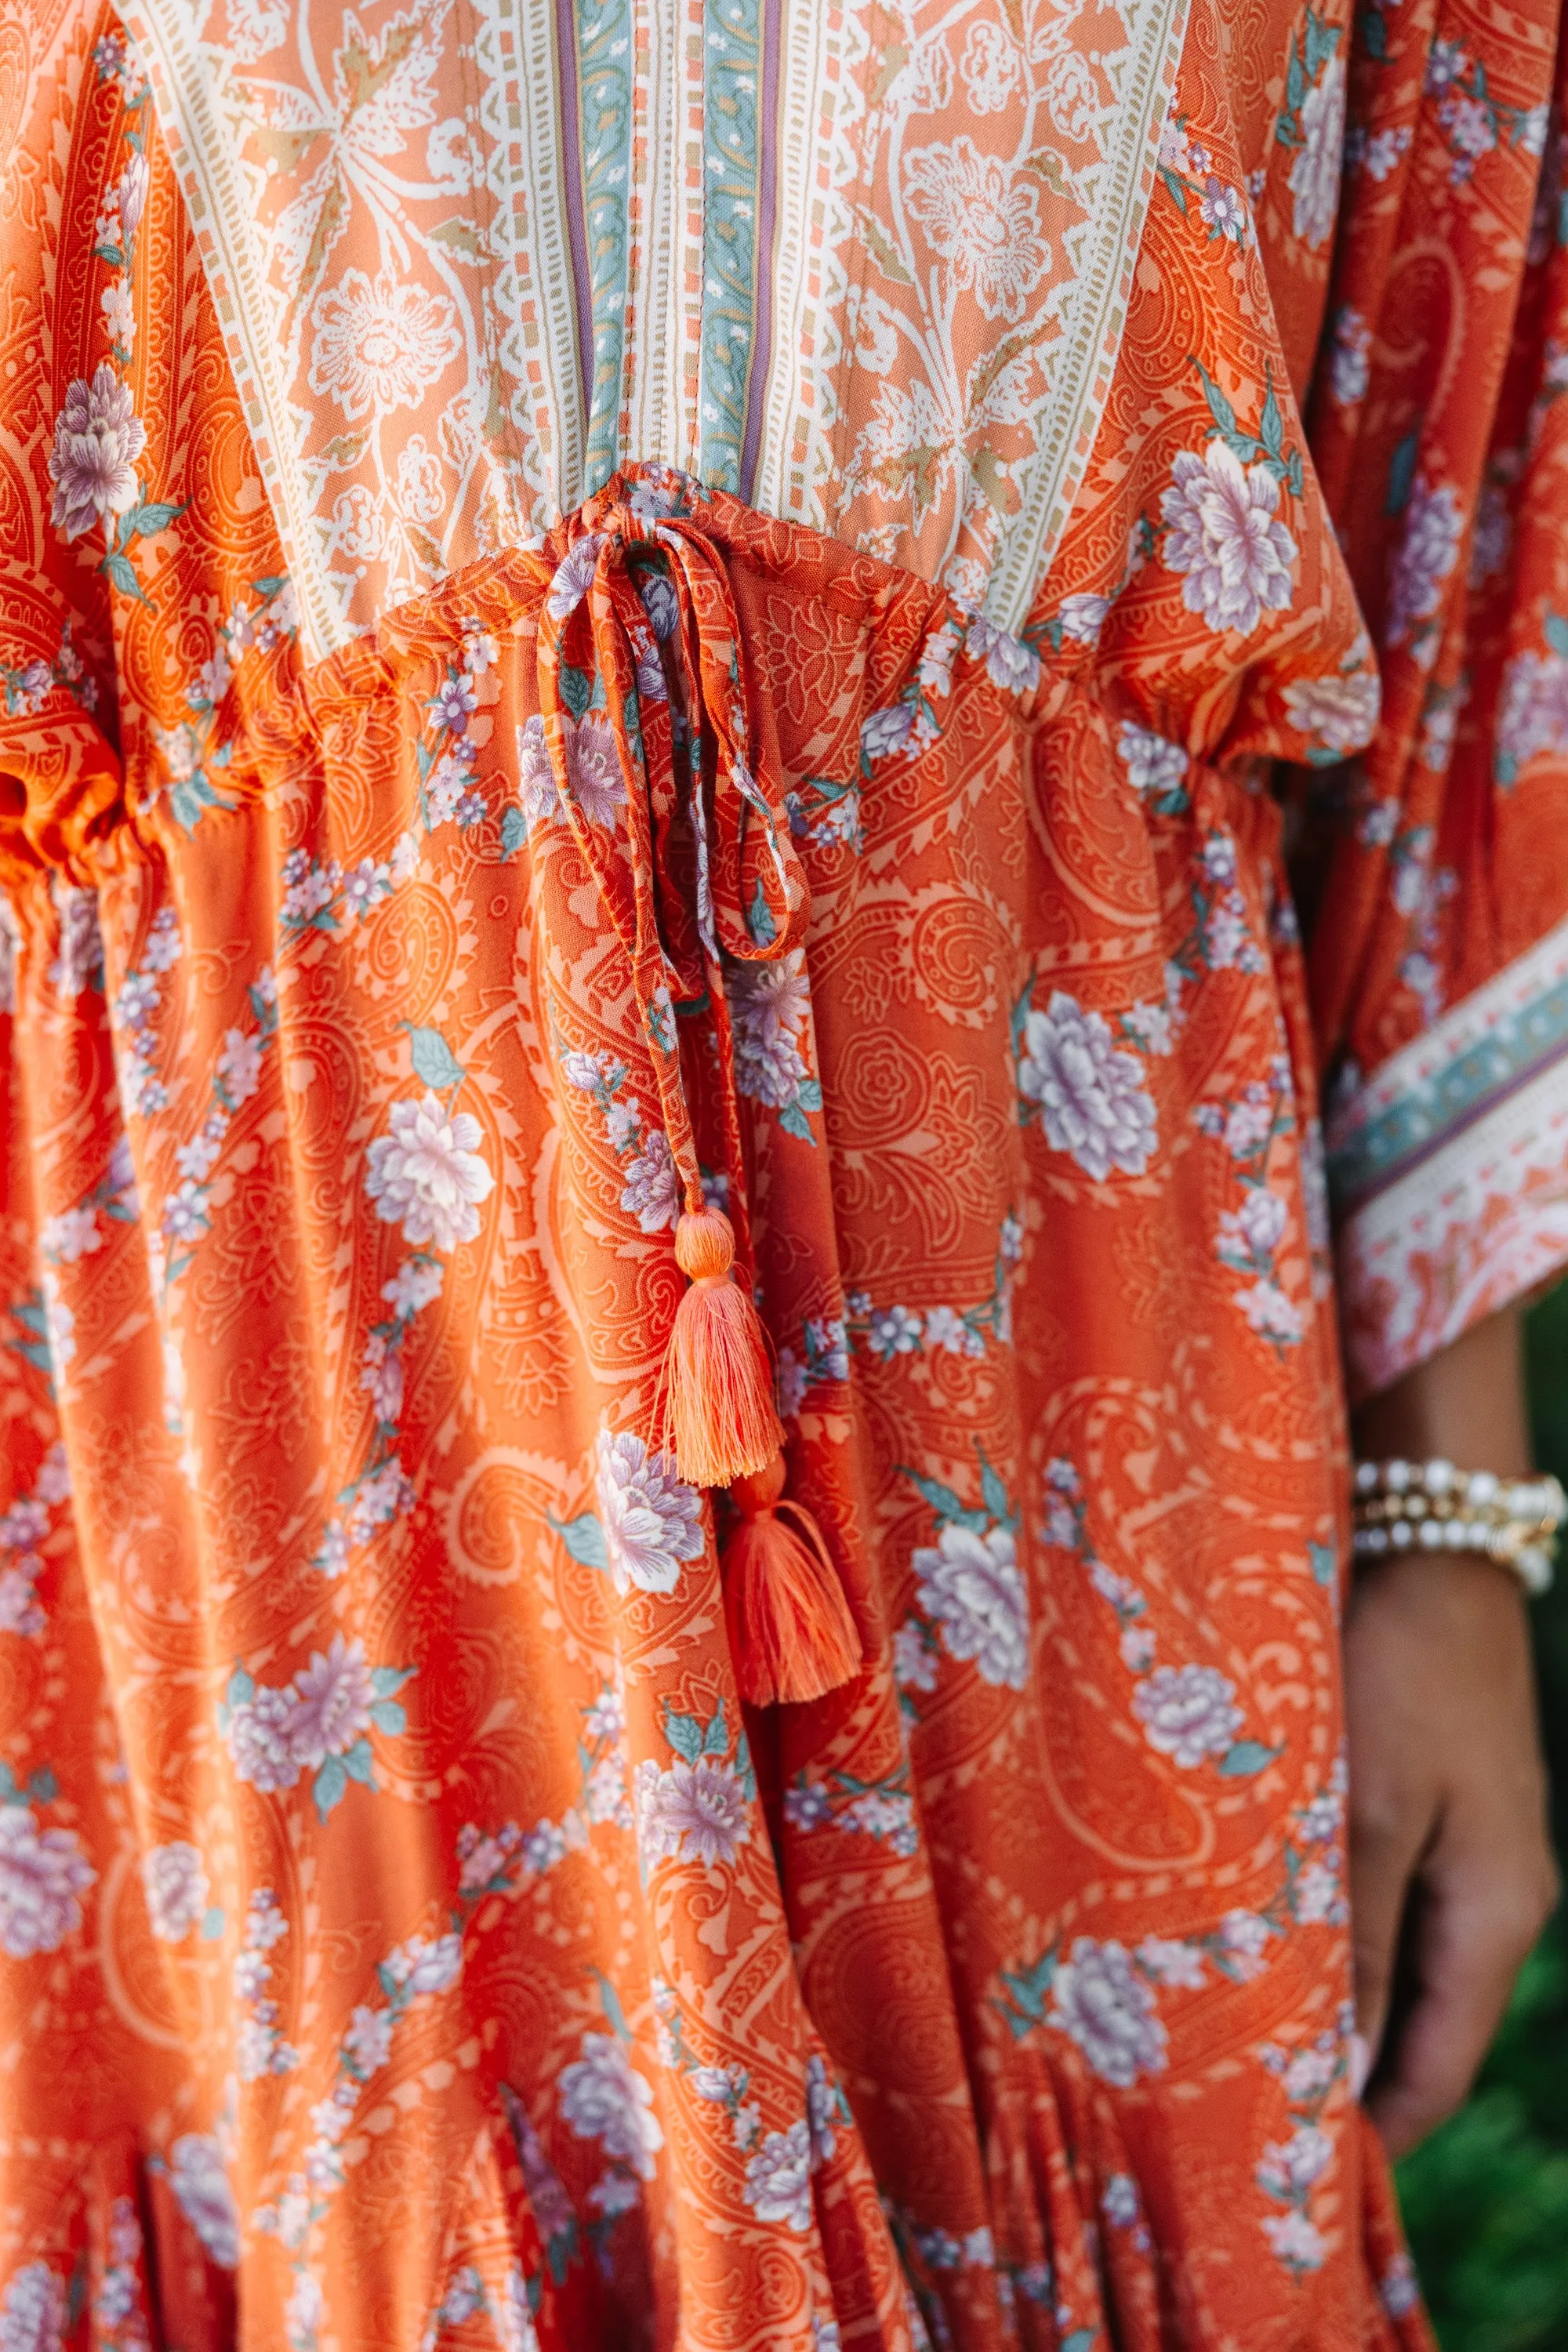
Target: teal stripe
[
  {"x": 1417, "y": 1123},
  {"x": 731, "y": 205},
  {"x": 604, "y": 59}
]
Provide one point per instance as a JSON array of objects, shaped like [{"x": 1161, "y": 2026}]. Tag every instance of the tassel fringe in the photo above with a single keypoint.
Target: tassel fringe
[
  {"x": 719, "y": 1416},
  {"x": 791, "y": 1633}
]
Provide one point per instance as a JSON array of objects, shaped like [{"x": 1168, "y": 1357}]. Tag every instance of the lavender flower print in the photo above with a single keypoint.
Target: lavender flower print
[
  {"x": 1188, "y": 1713},
  {"x": 651, "y": 1193},
  {"x": 1340, "y": 713},
  {"x": 778, "y": 2177},
  {"x": 44, "y": 1874},
  {"x": 603, "y": 2098},
  {"x": 1348, "y": 369},
  {"x": 1101, "y": 2003},
  {"x": 98, "y": 439},
  {"x": 652, "y": 1519},
  {"x": 198, "y": 2176},
  {"x": 971, "y": 1586},
  {"x": 1156, "y": 767},
  {"x": 428, "y": 1175},
  {"x": 1314, "y": 180},
  {"x": 692, "y": 1812},
  {"x": 175, "y": 1887},
  {"x": 770, "y": 1003},
  {"x": 32, "y": 2312},
  {"x": 1093, "y": 1100},
  {"x": 1427, "y": 552},
  {"x": 1224, "y": 536},
  {"x": 594, "y": 766}
]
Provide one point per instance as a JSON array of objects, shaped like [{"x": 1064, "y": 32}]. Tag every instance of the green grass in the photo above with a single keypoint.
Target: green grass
[{"x": 1486, "y": 2199}]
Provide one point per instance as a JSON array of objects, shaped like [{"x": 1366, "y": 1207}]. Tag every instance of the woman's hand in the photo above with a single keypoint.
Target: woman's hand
[
  {"x": 1451, "y": 1868},
  {"x": 1449, "y": 1843}
]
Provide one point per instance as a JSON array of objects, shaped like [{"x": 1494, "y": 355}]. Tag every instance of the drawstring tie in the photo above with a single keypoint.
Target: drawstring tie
[{"x": 692, "y": 856}]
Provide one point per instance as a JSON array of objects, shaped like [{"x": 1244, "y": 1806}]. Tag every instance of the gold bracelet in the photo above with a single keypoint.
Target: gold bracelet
[{"x": 1433, "y": 1506}]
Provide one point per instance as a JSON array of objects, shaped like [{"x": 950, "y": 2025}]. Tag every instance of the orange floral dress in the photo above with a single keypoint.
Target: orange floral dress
[{"x": 603, "y": 606}]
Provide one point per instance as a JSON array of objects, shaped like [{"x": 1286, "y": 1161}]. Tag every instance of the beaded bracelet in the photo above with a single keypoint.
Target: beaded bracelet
[{"x": 1433, "y": 1506}]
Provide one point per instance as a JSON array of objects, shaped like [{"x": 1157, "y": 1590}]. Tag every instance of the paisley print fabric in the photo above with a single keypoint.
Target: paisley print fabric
[{"x": 433, "y": 851}]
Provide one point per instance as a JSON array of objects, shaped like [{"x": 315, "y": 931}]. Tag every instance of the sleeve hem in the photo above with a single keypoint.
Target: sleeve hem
[{"x": 1448, "y": 1170}]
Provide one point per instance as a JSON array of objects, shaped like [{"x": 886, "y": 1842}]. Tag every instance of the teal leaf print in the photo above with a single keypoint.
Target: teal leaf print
[
  {"x": 388, "y": 1716},
  {"x": 1248, "y": 1755},
  {"x": 1325, "y": 1563},
  {"x": 513, "y": 829},
  {"x": 584, "y": 1538},
  {"x": 41, "y": 1789},
  {"x": 330, "y": 1786},
  {"x": 1401, "y": 474},
  {"x": 384, "y": 1681},
  {"x": 1029, "y": 1989},
  {"x": 945, "y": 1502},
  {"x": 995, "y": 1493},
  {"x": 190, "y": 797},
  {"x": 1295, "y": 82},
  {"x": 576, "y": 690},
  {"x": 34, "y": 1348},
  {"x": 716, "y": 1739},
  {"x": 684, "y": 1735},
  {"x": 1220, "y": 409},
  {"x": 212, "y": 1923},
  {"x": 359, "y": 1763},
  {"x": 613, "y": 2010},
  {"x": 121, "y": 574},
  {"x": 241, "y": 1688},
  {"x": 1321, "y": 40},
  {"x": 434, "y": 1060},
  {"x": 144, "y": 521},
  {"x": 760, "y": 920},
  {"x": 1557, "y": 633},
  {"x": 1079, "y": 2340}
]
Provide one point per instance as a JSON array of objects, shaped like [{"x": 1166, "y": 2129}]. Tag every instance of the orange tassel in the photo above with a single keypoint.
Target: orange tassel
[
  {"x": 791, "y": 1633},
  {"x": 719, "y": 1416}
]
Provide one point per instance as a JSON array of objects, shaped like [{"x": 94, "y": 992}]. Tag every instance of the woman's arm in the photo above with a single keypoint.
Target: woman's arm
[{"x": 1449, "y": 1845}]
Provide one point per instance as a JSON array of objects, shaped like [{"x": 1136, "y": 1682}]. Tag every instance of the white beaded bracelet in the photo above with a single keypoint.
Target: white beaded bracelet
[{"x": 1433, "y": 1506}]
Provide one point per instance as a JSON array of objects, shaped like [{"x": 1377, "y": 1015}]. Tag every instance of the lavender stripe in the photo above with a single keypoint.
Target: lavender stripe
[
  {"x": 576, "y": 218},
  {"x": 762, "y": 258}
]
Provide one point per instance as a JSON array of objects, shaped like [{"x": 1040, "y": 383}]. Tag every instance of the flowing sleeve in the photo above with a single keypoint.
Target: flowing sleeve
[{"x": 1438, "y": 924}]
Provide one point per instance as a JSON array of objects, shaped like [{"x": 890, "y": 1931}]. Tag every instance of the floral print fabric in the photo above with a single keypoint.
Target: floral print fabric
[{"x": 406, "y": 1935}]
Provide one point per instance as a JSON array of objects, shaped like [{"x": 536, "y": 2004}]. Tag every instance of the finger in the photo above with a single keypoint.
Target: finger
[
  {"x": 1473, "y": 1933},
  {"x": 1387, "y": 1835}
]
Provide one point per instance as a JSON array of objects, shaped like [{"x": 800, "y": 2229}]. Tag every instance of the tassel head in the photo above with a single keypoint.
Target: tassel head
[
  {"x": 704, "y": 1244},
  {"x": 718, "y": 1420}
]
